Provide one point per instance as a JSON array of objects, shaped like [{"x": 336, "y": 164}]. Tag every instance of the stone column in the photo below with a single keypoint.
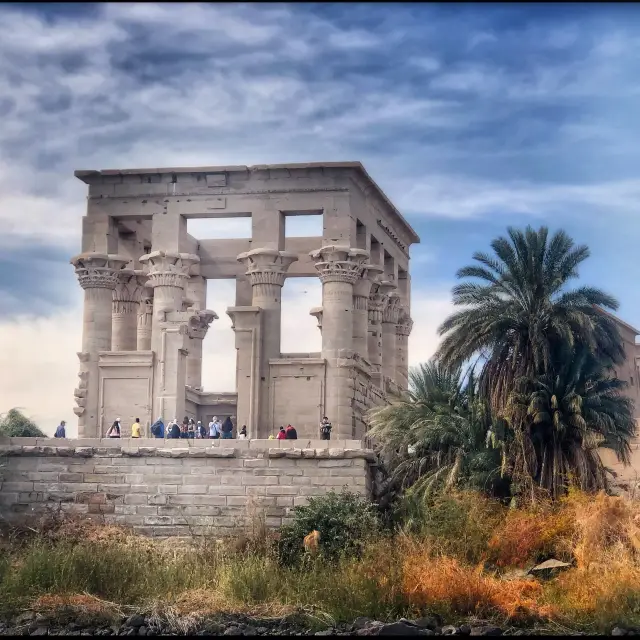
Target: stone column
[
  {"x": 266, "y": 270},
  {"x": 198, "y": 327},
  {"x": 98, "y": 276},
  {"x": 126, "y": 302},
  {"x": 376, "y": 303},
  {"x": 361, "y": 291},
  {"x": 403, "y": 330},
  {"x": 145, "y": 320},
  {"x": 339, "y": 268},
  {"x": 168, "y": 273},
  {"x": 389, "y": 322}
]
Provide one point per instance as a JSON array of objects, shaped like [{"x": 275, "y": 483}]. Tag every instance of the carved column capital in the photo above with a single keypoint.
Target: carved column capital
[
  {"x": 199, "y": 323},
  {"x": 267, "y": 266},
  {"x": 336, "y": 263},
  {"x": 128, "y": 291},
  {"x": 405, "y": 323},
  {"x": 168, "y": 269},
  {"x": 362, "y": 287},
  {"x": 98, "y": 270},
  {"x": 391, "y": 308},
  {"x": 316, "y": 312}
]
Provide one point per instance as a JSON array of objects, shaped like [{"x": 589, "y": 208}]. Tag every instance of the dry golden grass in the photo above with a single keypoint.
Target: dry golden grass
[{"x": 396, "y": 575}]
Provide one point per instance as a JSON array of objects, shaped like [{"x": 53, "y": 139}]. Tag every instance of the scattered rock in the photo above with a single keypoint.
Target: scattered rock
[
  {"x": 549, "y": 567},
  {"x": 39, "y": 631},
  {"x": 135, "y": 621},
  {"x": 464, "y": 630},
  {"x": 428, "y": 622},
  {"x": 618, "y": 631},
  {"x": 488, "y": 630},
  {"x": 448, "y": 630},
  {"x": 401, "y": 628}
]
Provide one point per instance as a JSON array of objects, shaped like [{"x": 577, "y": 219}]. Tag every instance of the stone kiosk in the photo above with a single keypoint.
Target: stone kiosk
[
  {"x": 145, "y": 314},
  {"x": 145, "y": 319}
]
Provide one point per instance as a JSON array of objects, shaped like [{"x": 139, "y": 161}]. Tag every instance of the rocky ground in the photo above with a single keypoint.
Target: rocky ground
[{"x": 33, "y": 624}]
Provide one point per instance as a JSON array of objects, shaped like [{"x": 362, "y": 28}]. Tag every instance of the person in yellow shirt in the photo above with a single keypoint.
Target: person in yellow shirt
[{"x": 136, "y": 429}]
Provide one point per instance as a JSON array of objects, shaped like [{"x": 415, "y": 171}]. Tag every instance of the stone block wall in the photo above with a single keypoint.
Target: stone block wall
[{"x": 175, "y": 488}]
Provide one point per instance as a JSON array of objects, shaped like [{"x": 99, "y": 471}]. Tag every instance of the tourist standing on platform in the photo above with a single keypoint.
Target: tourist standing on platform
[
  {"x": 191, "y": 429},
  {"x": 227, "y": 428},
  {"x": 61, "y": 432},
  {"x": 114, "y": 429},
  {"x": 136, "y": 429},
  {"x": 282, "y": 435},
  {"x": 214, "y": 428},
  {"x": 157, "y": 428},
  {"x": 291, "y": 433},
  {"x": 175, "y": 430},
  {"x": 325, "y": 429},
  {"x": 201, "y": 432},
  {"x": 243, "y": 433},
  {"x": 184, "y": 428}
]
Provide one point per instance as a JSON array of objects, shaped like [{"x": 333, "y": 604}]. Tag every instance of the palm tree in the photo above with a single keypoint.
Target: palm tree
[
  {"x": 559, "y": 421},
  {"x": 521, "y": 309},
  {"x": 437, "y": 436}
]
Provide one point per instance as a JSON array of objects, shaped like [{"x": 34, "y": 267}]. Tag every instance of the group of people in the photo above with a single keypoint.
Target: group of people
[{"x": 189, "y": 429}]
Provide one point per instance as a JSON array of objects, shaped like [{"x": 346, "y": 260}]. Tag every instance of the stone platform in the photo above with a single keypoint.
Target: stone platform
[{"x": 175, "y": 487}]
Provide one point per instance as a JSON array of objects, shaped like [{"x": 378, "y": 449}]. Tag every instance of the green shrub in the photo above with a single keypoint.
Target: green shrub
[
  {"x": 344, "y": 520},
  {"x": 15, "y": 424}
]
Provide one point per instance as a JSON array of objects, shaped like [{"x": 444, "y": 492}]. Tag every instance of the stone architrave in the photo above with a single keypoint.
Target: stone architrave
[
  {"x": 98, "y": 276},
  {"x": 126, "y": 302},
  {"x": 339, "y": 268},
  {"x": 316, "y": 312},
  {"x": 168, "y": 273},
  {"x": 267, "y": 270},
  {"x": 145, "y": 320},
  {"x": 403, "y": 330},
  {"x": 389, "y": 321},
  {"x": 199, "y": 324},
  {"x": 361, "y": 292}
]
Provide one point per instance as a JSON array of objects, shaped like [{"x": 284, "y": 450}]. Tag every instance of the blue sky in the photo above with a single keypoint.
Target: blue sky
[{"x": 470, "y": 117}]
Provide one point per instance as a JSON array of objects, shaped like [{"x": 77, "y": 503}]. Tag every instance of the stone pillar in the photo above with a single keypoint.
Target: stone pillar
[
  {"x": 389, "y": 322},
  {"x": 168, "y": 273},
  {"x": 316, "y": 312},
  {"x": 198, "y": 327},
  {"x": 145, "y": 320},
  {"x": 403, "y": 330},
  {"x": 98, "y": 276},
  {"x": 376, "y": 303},
  {"x": 266, "y": 270},
  {"x": 361, "y": 291},
  {"x": 339, "y": 268},
  {"x": 126, "y": 302}
]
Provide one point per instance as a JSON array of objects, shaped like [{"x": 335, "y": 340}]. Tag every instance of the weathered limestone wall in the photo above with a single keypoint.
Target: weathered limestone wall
[{"x": 167, "y": 488}]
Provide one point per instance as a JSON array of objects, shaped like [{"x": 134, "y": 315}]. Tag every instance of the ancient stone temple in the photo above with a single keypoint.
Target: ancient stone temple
[{"x": 146, "y": 313}]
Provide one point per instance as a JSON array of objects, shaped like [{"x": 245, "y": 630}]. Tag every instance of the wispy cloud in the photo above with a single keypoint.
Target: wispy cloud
[{"x": 468, "y": 118}]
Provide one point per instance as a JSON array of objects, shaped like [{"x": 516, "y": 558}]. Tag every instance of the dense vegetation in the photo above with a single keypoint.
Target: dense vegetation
[
  {"x": 541, "y": 396},
  {"x": 15, "y": 424}
]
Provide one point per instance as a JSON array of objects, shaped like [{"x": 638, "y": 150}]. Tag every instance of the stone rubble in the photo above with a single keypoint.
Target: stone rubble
[{"x": 32, "y": 624}]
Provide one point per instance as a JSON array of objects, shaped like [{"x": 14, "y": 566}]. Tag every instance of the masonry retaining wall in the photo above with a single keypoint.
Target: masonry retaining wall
[{"x": 174, "y": 488}]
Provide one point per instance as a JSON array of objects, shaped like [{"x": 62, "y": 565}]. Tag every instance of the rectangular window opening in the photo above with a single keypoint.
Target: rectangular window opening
[
  {"x": 219, "y": 228},
  {"x": 218, "y": 347},
  {"x": 302, "y": 225},
  {"x": 299, "y": 330}
]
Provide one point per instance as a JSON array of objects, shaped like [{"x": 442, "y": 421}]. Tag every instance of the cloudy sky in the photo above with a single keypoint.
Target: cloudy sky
[{"x": 470, "y": 117}]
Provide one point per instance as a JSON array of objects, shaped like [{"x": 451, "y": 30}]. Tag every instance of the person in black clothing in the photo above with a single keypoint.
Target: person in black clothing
[
  {"x": 175, "y": 430},
  {"x": 291, "y": 433},
  {"x": 227, "y": 428}
]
